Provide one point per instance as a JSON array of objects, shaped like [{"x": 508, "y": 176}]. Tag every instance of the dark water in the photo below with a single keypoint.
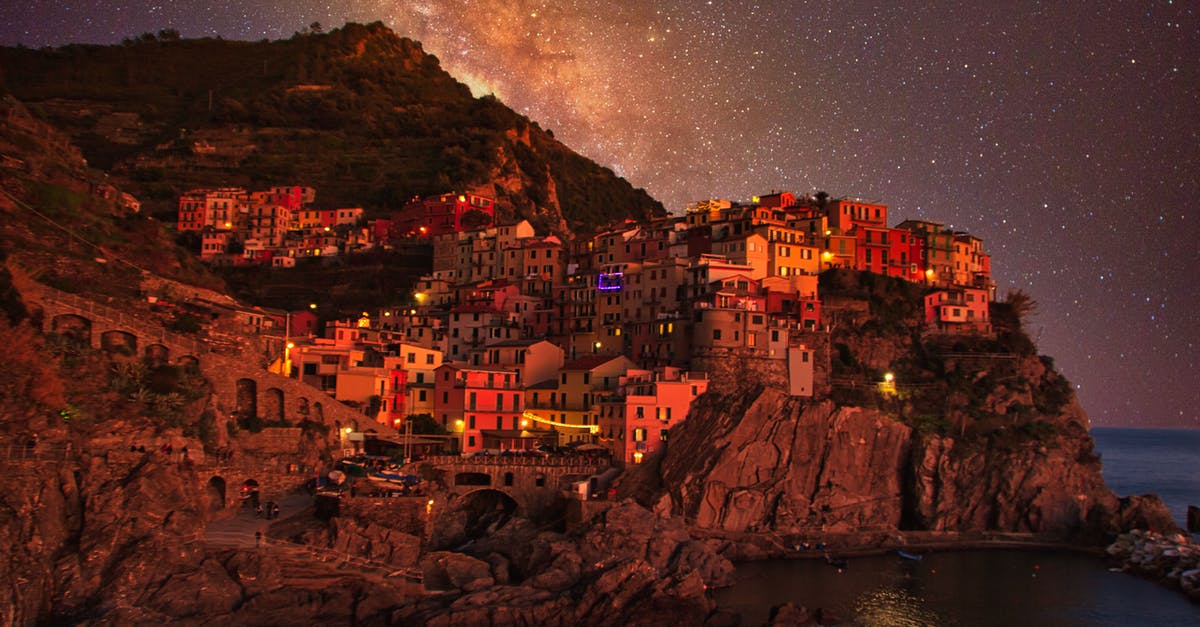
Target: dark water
[
  {"x": 1161, "y": 461},
  {"x": 1024, "y": 588}
]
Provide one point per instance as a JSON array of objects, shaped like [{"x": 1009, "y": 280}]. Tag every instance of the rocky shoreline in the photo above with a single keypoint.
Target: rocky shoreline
[{"x": 1172, "y": 560}]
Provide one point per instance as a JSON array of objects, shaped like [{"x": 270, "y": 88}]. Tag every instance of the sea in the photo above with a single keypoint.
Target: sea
[{"x": 999, "y": 587}]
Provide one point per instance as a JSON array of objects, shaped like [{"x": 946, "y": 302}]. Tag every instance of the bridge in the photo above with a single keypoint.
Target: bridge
[{"x": 532, "y": 483}]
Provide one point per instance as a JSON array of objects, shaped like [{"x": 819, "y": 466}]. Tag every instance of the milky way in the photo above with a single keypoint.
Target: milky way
[{"x": 1067, "y": 135}]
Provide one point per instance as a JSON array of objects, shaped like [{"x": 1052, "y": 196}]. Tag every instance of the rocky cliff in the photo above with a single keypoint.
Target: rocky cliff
[{"x": 976, "y": 434}]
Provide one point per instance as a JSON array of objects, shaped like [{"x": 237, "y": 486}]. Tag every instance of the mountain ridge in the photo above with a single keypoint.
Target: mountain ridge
[{"x": 359, "y": 113}]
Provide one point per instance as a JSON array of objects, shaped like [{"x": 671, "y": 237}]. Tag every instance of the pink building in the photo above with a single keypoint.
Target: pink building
[
  {"x": 636, "y": 420},
  {"x": 958, "y": 310}
]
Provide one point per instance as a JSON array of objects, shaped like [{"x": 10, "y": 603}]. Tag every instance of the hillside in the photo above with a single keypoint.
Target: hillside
[
  {"x": 64, "y": 223},
  {"x": 362, "y": 115}
]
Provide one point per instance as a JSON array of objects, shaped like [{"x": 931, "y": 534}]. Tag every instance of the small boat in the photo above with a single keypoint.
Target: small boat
[
  {"x": 910, "y": 556},
  {"x": 394, "y": 478}
]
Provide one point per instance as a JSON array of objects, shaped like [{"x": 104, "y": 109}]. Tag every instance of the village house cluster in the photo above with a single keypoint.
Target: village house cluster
[{"x": 518, "y": 339}]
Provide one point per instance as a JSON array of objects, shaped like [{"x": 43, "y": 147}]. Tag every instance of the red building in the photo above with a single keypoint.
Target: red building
[
  {"x": 443, "y": 214},
  {"x": 478, "y": 401},
  {"x": 396, "y": 400}
]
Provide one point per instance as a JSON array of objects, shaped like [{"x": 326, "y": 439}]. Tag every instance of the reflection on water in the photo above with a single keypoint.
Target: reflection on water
[
  {"x": 964, "y": 588},
  {"x": 891, "y": 606}
]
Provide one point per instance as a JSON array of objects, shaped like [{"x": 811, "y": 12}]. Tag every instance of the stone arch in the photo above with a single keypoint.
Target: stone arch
[
  {"x": 157, "y": 354},
  {"x": 302, "y": 408},
  {"x": 247, "y": 398},
  {"x": 215, "y": 494},
  {"x": 472, "y": 479},
  {"x": 188, "y": 362},
  {"x": 317, "y": 414},
  {"x": 77, "y": 328},
  {"x": 117, "y": 342},
  {"x": 272, "y": 405},
  {"x": 486, "y": 510}
]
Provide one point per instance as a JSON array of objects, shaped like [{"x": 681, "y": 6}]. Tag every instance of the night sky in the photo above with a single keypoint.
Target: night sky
[{"x": 1063, "y": 133}]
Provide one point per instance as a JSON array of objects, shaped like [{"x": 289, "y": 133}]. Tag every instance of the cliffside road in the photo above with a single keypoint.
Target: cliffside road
[{"x": 238, "y": 531}]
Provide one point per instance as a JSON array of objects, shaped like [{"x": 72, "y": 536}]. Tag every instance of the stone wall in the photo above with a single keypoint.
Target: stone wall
[
  {"x": 730, "y": 370},
  {"x": 272, "y": 440}
]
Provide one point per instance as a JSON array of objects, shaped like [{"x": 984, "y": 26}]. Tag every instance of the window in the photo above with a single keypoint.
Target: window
[
  {"x": 411, "y": 358},
  {"x": 639, "y": 435},
  {"x": 471, "y": 421},
  {"x": 429, "y": 358},
  {"x": 587, "y": 378},
  {"x": 445, "y": 397},
  {"x": 641, "y": 412},
  {"x": 716, "y": 334},
  {"x": 471, "y": 404}
]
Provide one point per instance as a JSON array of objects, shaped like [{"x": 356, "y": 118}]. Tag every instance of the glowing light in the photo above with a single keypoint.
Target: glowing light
[
  {"x": 637, "y": 457},
  {"x": 312, "y": 305},
  {"x": 291, "y": 345},
  {"x": 347, "y": 430},
  {"x": 546, "y": 421},
  {"x": 889, "y": 377}
]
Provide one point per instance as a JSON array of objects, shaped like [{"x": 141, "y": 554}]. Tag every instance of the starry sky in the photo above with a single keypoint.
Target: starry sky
[{"x": 1063, "y": 133}]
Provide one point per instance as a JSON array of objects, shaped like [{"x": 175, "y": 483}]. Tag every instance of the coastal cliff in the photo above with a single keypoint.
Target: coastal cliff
[{"x": 761, "y": 461}]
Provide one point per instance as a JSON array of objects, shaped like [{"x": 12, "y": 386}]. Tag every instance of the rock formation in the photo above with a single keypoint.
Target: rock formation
[
  {"x": 1173, "y": 560},
  {"x": 761, "y": 461}
]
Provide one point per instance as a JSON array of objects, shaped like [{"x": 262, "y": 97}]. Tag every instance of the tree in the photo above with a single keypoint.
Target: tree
[
  {"x": 475, "y": 219},
  {"x": 1022, "y": 304},
  {"x": 315, "y": 28},
  {"x": 168, "y": 34}
]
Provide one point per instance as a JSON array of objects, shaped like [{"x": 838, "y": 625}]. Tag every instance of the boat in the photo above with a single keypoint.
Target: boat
[
  {"x": 910, "y": 556},
  {"x": 394, "y": 479}
]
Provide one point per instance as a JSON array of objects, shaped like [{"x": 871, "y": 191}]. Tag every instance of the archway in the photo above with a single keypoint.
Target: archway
[
  {"x": 216, "y": 494},
  {"x": 485, "y": 511},
  {"x": 273, "y": 405},
  {"x": 189, "y": 363},
  {"x": 157, "y": 355},
  {"x": 317, "y": 414},
  {"x": 247, "y": 398},
  {"x": 118, "y": 343},
  {"x": 302, "y": 409},
  {"x": 76, "y": 328}
]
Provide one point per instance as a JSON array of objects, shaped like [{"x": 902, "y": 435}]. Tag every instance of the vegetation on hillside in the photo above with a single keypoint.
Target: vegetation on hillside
[{"x": 365, "y": 117}]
